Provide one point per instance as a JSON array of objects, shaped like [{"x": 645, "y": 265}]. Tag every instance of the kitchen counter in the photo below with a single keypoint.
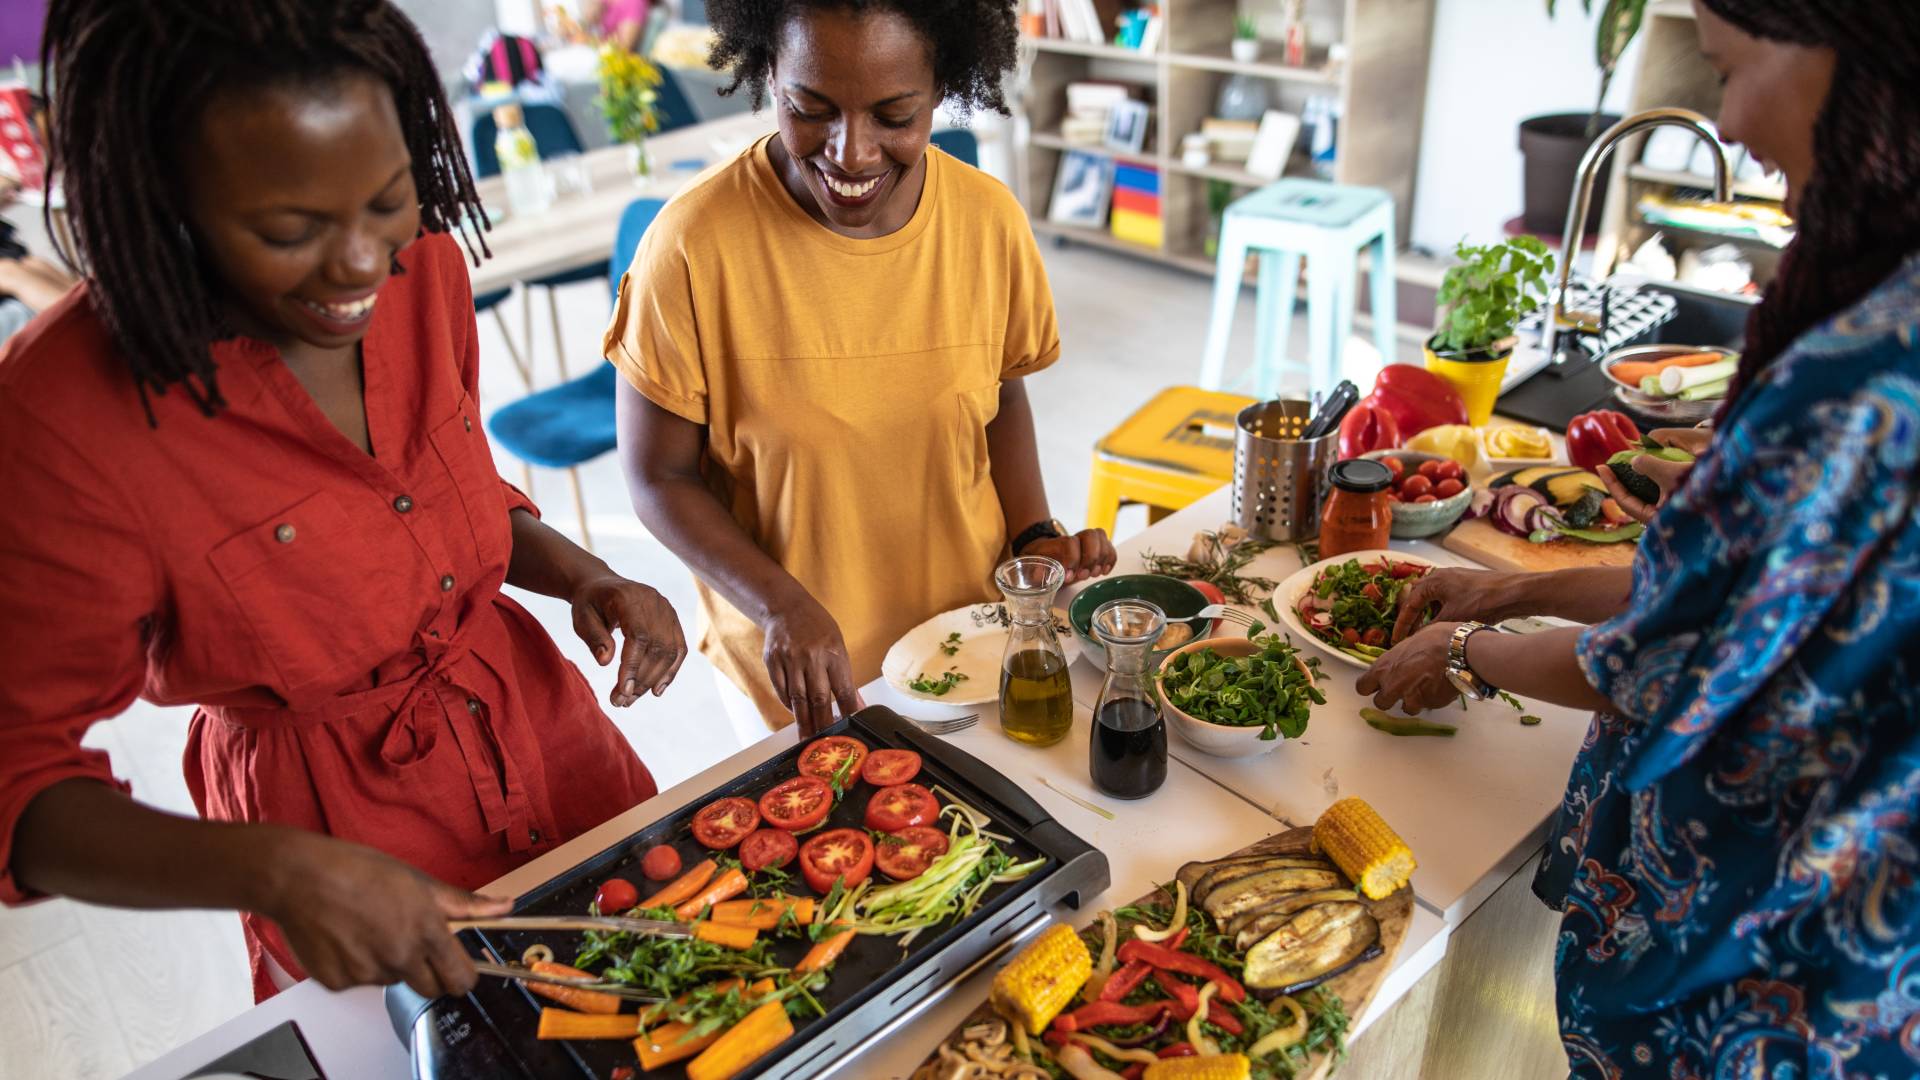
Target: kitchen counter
[{"x": 1474, "y": 809}]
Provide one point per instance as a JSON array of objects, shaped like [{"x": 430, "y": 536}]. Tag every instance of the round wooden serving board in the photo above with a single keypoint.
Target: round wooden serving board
[{"x": 1355, "y": 987}]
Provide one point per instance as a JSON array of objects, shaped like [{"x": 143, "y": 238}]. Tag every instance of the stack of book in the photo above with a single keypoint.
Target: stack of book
[
  {"x": 1136, "y": 205},
  {"x": 1089, "y": 106},
  {"x": 1092, "y": 21}
]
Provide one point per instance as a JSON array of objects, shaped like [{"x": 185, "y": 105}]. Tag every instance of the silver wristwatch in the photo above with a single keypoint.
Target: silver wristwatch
[{"x": 1458, "y": 673}]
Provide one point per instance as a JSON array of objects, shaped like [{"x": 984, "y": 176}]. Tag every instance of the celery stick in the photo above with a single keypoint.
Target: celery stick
[
  {"x": 1706, "y": 391},
  {"x": 1675, "y": 379},
  {"x": 1650, "y": 386}
]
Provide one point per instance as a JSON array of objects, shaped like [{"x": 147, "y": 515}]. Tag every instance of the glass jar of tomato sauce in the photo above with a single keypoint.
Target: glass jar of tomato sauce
[{"x": 1358, "y": 515}]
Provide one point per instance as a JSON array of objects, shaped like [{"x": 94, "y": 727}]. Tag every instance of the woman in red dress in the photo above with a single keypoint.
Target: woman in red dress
[{"x": 245, "y": 469}]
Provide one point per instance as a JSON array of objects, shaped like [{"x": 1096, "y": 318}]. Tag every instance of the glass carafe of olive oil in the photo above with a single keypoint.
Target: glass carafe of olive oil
[
  {"x": 1127, "y": 746},
  {"x": 1036, "y": 696}
]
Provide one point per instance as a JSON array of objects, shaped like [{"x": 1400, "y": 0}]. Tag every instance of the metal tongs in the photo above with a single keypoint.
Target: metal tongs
[
  {"x": 652, "y": 927},
  {"x": 598, "y": 986}
]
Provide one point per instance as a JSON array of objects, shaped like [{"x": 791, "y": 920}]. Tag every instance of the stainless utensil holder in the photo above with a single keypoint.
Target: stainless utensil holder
[{"x": 1279, "y": 480}]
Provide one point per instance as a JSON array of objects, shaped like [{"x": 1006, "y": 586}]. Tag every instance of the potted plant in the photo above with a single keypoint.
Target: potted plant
[
  {"x": 1246, "y": 39},
  {"x": 1482, "y": 300},
  {"x": 629, "y": 94},
  {"x": 1552, "y": 145}
]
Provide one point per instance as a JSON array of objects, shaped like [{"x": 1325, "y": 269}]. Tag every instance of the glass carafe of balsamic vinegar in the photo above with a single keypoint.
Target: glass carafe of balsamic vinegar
[
  {"x": 1036, "y": 695},
  {"x": 1127, "y": 746}
]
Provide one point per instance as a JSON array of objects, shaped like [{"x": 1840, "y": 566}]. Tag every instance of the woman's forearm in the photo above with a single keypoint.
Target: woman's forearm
[
  {"x": 1016, "y": 460},
  {"x": 1586, "y": 595},
  {"x": 1542, "y": 666},
  {"x": 546, "y": 562}
]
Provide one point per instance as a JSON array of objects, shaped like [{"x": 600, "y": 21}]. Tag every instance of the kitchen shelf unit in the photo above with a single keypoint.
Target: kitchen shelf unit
[{"x": 1380, "y": 88}]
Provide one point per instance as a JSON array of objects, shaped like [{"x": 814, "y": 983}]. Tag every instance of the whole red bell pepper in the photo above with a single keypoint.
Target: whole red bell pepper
[
  {"x": 1367, "y": 428},
  {"x": 1417, "y": 398},
  {"x": 1100, "y": 1013},
  {"x": 1594, "y": 437},
  {"x": 1184, "y": 963}
]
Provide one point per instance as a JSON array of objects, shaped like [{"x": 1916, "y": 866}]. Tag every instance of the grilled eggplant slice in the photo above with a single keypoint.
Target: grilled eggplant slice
[
  {"x": 1264, "y": 887},
  {"x": 1313, "y": 946},
  {"x": 1220, "y": 874},
  {"x": 1249, "y": 927}
]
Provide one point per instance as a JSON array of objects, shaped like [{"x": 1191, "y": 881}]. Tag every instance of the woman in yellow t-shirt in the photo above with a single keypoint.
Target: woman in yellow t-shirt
[{"x": 822, "y": 342}]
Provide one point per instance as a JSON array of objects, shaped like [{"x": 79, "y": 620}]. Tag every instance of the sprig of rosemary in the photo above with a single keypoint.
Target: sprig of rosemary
[{"x": 1219, "y": 566}]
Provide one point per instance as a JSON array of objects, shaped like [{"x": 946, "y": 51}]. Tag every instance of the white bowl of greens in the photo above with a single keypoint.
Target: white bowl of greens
[{"x": 1238, "y": 697}]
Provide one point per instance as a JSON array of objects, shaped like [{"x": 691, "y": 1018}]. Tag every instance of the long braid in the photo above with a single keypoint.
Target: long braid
[
  {"x": 1858, "y": 216},
  {"x": 127, "y": 78}
]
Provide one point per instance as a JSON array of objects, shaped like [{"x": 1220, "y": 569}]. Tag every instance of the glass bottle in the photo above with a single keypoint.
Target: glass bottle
[
  {"x": 519, "y": 160},
  {"x": 1036, "y": 695},
  {"x": 1127, "y": 747}
]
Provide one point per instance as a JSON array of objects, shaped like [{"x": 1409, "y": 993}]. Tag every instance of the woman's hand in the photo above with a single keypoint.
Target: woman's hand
[
  {"x": 1668, "y": 476},
  {"x": 807, "y": 660},
  {"x": 356, "y": 917},
  {"x": 654, "y": 647},
  {"x": 1413, "y": 674},
  {"x": 1086, "y": 554},
  {"x": 1452, "y": 595}
]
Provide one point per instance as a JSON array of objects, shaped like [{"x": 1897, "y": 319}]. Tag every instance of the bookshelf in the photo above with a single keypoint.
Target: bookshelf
[{"x": 1380, "y": 89}]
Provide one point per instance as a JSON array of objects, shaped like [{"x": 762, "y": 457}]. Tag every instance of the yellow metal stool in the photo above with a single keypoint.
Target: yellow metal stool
[{"x": 1174, "y": 450}]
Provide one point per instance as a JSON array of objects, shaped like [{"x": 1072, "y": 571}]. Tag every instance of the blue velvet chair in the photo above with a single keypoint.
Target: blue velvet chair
[
  {"x": 960, "y": 143},
  {"x": 565, "y": 426}
]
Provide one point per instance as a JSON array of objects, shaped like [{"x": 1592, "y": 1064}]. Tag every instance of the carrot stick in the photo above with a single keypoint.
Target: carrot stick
[
  {"x": 725, "y": 887},
  {"x": 744, "y": 1043},
  {"x": 763, "y": 914},
  {"x": 586, "y": 1001},
  {"x": 662, "y": 1045},
  {"x": 565, "y": 1024},
  {"x": 826, "y": 950},
  {"x": 1632, "y": 371},
  {"x": 726, "y": 935},
  {"x": 683, "y": 886}
]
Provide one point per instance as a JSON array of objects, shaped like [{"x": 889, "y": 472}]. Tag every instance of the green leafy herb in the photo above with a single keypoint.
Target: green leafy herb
[
  {"x": 668, "y": 966},
  {"x": 937, "y": 687},
  {"x": 768, "y": 881},
  {"x": 951, "y": 646},
  {"x": 1364, "y": 599},
  {"x": 1511, "y": 700},
  {"x": 709, "y": 1008},
  {"x": 1220, "y": 566},
  {"x": 1271, "y": 690},
  {"x": 1483, "y": 299}
]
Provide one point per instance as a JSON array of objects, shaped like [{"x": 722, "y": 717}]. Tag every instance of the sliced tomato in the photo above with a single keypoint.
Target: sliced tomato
[
  {"x": 901, "y": 806},
  {"x": 660, "y": 863},
  {"x": 1406, "y": 570},
  {"x": 825, "y": 758},
  {"x": 886, "y": 767},
  {"x": 796, "y": 804},
  {"x": 768, "y": 847},
  {"x": 836, "y": 855},
  {"x": 725, "y": 822},
  {"x": 906, "y": 854},
  {"x": 615, "y": 896},
  {"x": 1209, "y": 590}
]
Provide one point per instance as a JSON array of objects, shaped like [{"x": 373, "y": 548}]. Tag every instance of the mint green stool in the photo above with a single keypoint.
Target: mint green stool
[{"x": 1282, "y": 223}]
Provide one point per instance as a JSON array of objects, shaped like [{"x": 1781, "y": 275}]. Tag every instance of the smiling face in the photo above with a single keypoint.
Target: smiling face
[
  {"x": 298, "y": 197},
  {"x": 1774, "y": 93},
  {"x": 855, "y": 96}
]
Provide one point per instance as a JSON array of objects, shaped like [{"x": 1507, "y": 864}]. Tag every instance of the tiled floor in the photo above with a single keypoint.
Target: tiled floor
[{"x": 88, "y": 992}]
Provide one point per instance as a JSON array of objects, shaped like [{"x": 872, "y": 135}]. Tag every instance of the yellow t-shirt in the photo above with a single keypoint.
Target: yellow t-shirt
[{"x": 845, "y": 385}]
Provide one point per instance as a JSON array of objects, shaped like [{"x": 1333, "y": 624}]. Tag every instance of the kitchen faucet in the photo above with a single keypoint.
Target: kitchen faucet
[{"x": 1560, "y": 317}]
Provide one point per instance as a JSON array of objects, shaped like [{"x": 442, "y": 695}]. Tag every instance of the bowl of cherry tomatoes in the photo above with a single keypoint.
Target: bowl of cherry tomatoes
[{"x": 1429, "y": 492}]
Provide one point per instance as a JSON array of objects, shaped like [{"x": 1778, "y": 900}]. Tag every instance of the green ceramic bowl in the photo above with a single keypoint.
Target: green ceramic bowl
[{"x": 1171, "y": 595}]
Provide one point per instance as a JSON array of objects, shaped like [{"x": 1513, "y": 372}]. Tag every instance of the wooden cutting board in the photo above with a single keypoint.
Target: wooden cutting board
[
  {"x": 1480, "y": 541},
  {"x": 1355, "y": 987}
]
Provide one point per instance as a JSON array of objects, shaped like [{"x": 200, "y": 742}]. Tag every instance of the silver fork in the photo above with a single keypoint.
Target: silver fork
[
  {"x": 948, "y": 726},
  {"x": 1221, "y": 612}
]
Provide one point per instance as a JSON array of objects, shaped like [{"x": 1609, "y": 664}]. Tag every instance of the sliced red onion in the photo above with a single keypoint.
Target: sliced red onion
[{"x": 1142, "y": 1040}]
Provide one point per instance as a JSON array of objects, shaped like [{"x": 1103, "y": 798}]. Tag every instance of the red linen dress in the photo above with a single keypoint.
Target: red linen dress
[{"x": 338, "y": 617}]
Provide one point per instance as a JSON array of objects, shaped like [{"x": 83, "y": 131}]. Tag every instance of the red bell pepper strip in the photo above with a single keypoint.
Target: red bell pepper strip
[
  {"x": 1417, "y": 398},
  {"x": 1186, "y": 964},
  {"x": 1134, "y": 1071},
  {"x": 1109, "y": 1012},
  {"x": 1180, "y": 1049},
  {"x": 1367, "y": 428},
  {"x": 1594, "y": 437},
  {"x": 1187, "y": 999},
  {"x": 1125, "y": 981}
]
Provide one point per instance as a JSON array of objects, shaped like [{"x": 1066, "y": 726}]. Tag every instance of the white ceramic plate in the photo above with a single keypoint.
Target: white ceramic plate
[
  {"x": 1287, "y": 596},
  {"x": 983, "y": 641}
]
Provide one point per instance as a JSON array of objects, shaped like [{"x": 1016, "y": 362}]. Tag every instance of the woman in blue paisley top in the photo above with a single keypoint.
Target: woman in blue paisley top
[{"x": 1738, "y": 854}]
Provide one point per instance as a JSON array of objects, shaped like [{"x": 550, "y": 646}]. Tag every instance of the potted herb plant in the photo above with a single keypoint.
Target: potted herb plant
[
  {"x": 1551, "y": 146},
  {"x": 629, "y": 96},
  {"x": 1246, "y": 39},
  {"x": 1482, "y": 300}
]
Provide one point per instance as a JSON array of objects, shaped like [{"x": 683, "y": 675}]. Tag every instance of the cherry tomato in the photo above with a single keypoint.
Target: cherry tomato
[
  {"x": 660, "y": 863},
  {"x": 1430, "y": 470},
  {"x": 1413, "y": 487},
  {"x": 824, "y": 757},
  {"x": 1452, "y": 470},
  {"x": 1209, "y": 590},
  {"x": 901, "y": 806},
  {"x": 1448, "y": 488},
  {"x": 837, "y": 854},
  {"x": 615, "y": 896},
  {"x": 799, "y": 803},
  {"x": 1350, "y": 636},
  {"x": 905, "y": 855},
  {"x": 767, "y": 847},
  {"x": 1406, "y": 570},
  {"x": 1372, "y": 592},
  {"x": 1426, "y": 499},
  {"x": 1394, "y": 465},
  {"x": 621, "y": 1072},
  {"x": 725, "y": 822},
  {"x": 1375, "y": 636},
  {"x": 886, "y": 767}
]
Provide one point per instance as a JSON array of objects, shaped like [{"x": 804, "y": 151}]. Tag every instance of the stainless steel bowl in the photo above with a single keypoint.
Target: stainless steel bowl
[{"x": 1672, "y": 410}]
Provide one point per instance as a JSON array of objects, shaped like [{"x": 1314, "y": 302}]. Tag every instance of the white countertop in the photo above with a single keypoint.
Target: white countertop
[{"x": 1497, "y": 781}]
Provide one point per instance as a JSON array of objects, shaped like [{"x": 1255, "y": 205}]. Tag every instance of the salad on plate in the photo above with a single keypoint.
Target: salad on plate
[{"x": 1351, "y": 605}]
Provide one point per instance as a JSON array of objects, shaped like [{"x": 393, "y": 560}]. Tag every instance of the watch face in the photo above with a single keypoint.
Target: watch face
[{"x": 1464, "y": 683}]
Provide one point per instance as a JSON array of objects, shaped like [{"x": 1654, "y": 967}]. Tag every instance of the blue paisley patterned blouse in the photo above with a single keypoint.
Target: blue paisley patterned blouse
[{"x": 1737, "y": 854}]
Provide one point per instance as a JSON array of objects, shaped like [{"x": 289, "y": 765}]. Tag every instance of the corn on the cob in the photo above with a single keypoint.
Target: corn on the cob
[
  {"x": 1361, "y": 843},
  {"x": 1033, "y": 989},
  {"x": 1212, "y": 1067}
]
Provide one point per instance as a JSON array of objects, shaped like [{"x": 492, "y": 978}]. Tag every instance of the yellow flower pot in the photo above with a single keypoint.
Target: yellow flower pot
[{"x": 1478, "y": 381}]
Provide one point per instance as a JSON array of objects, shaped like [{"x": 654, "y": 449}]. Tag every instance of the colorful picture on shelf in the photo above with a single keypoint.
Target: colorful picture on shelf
[
  {"x": 1127, "y": 126},
  {"x": 1081, "y": 190}
]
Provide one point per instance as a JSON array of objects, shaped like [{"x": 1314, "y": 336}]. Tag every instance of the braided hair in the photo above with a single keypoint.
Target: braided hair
[
  {"x": 974, "y": 43},
  {"x": 129, "y": 78},
  {"x": 1858, "y": 216}
]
